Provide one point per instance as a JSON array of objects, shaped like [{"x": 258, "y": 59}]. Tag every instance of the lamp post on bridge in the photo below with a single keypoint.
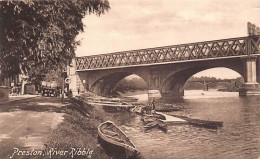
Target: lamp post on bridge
[{"x": 252, "y": 29}]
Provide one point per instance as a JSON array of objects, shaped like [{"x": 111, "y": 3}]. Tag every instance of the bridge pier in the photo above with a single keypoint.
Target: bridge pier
[
  {"x": 251, "y": 86},
  {"x": 206, "y": 87},
  {"x": 173, "y": 94},
  {"x": 176, "y": 91}
]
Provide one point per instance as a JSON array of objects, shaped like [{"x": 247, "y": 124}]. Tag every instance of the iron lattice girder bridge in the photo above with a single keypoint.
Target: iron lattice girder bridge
[{"x": 224, "y": 48}]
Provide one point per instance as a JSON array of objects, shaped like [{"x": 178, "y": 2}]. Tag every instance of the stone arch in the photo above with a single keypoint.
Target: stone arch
[
  {"x": 104, "y": 86},
  {"x": 173, "y": 85}
]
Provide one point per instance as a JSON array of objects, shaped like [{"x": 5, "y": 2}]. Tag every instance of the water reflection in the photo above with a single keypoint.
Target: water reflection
[{"x": 238, "y": 138}]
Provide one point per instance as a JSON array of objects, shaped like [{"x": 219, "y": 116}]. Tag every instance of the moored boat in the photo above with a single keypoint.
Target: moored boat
[
  {"x": 152, "y": 117},
  {"x": 152, "y": 121},
  {"x": 151, "y": 125},
  {"x": 148, "y": 119},
  {"x": 117, "y": 139},
  {"x": 205, "y": 123},
  {"x": 201, "y": 123},
  {"x": 129, "y": 99},
  {"x": 137, "y": 109},
  {"x": 162, "y": 125},
  {"x": 168, "y": 108},
  {"x": 156, "y": 123}
]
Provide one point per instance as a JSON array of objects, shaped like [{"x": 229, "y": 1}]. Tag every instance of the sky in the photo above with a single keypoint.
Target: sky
[{"x": 139, "y": 24}]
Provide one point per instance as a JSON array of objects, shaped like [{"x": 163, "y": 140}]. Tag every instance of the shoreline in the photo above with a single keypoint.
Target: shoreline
[
  {"x": 76, "y": 136},
  {"x": 142, "y": 96},
  {"x": 78, "y": 130}
]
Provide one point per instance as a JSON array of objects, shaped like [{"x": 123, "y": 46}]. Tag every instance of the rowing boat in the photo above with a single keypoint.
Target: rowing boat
[
  {"x": 168, "y": 108},
  {"x": 129, "y": 99},
  {"x": 116, "y": 138},
  {"x": 153, "y": 121},
  {"x": 205, "y": 123},
  {"x": 201, "y": 123}
]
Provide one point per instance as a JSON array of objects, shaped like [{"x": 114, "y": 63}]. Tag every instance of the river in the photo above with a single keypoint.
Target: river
[{"x": 239, "y": 138}]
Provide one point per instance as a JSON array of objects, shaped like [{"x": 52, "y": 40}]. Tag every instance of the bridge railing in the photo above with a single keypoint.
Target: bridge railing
[{"x": 184, "y": 52}]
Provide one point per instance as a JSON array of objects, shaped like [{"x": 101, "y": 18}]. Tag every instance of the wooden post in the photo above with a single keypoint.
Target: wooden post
[
  {"x": 62, "y": 87},
  {"x": 62, "y": 90}
]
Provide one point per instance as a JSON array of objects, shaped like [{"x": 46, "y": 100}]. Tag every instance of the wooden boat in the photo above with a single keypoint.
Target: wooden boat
[
  {"x": 156, "y": 123},
  {"x": 152, "y": 121},
  {"x": 117, "y": 139},
  {"x": 162, "y": 125},
  {"x": 137, "y": 109},
  {"x": 164, "y": 109},
  {"x": 113, "y": 107},
  {"x": 158, "y": 116},
  {"x": 129, "y": 99},
  {"x": 152, "y": 117},
  {"x": 171, "y": 120},
  {"x": 104, "y": 99},
  {"x": 123, "y": 105},
  {"x": 151, "y": 125},
  {"x": 149, "y": 119},
  {"x": 202, "y": 123},
  {"x": 205, "y": 123},
  {"x": 168, "y": 108}
]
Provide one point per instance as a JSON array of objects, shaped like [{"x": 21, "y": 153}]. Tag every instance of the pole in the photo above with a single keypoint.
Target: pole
[
  {"x": 62, "y": 87},
  {"x": 62, "y": 90}
]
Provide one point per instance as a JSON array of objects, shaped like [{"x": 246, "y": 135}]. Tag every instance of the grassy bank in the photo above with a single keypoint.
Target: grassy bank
[{"x": 78, "y": 131}]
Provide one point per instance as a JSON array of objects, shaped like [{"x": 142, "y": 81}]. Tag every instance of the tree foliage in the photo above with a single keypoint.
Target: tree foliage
[
  {"x": 36, "y": 36},
  {"x": 135, "y": 83},
  {"x": 197, "y": 83}
]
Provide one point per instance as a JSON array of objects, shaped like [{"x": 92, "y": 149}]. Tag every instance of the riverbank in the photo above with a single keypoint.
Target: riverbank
[
  {"x": 194, "y": 94},
  {"x": 142, "y": 95},
  {"x": 78, "y": 133}
]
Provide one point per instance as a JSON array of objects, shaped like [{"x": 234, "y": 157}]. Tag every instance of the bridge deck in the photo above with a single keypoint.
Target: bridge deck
[{"x": 234, "y": 47}]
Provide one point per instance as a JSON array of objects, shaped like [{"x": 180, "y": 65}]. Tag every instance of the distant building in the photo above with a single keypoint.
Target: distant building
[{"x": 16, "y": 83}]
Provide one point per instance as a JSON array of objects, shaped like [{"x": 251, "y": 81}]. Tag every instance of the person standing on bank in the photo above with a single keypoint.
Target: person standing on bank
[{"x": 153, "y": 104}]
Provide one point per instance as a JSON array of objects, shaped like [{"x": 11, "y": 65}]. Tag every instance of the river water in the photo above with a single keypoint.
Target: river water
[{"x": 239, "y": 138}]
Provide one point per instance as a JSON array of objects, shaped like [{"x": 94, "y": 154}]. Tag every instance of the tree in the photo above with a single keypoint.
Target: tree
[{"x": 38, "y": 36}]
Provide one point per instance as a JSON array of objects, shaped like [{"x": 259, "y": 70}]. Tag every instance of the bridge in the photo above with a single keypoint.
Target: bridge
[
  {"x": 206, "y": 83},
  {"x": 225, "y": 48},
  {"x": 168, "y": 68}
]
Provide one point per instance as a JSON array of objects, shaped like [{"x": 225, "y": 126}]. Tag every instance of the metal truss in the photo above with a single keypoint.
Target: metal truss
[{"x": 175, "y": 53}]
